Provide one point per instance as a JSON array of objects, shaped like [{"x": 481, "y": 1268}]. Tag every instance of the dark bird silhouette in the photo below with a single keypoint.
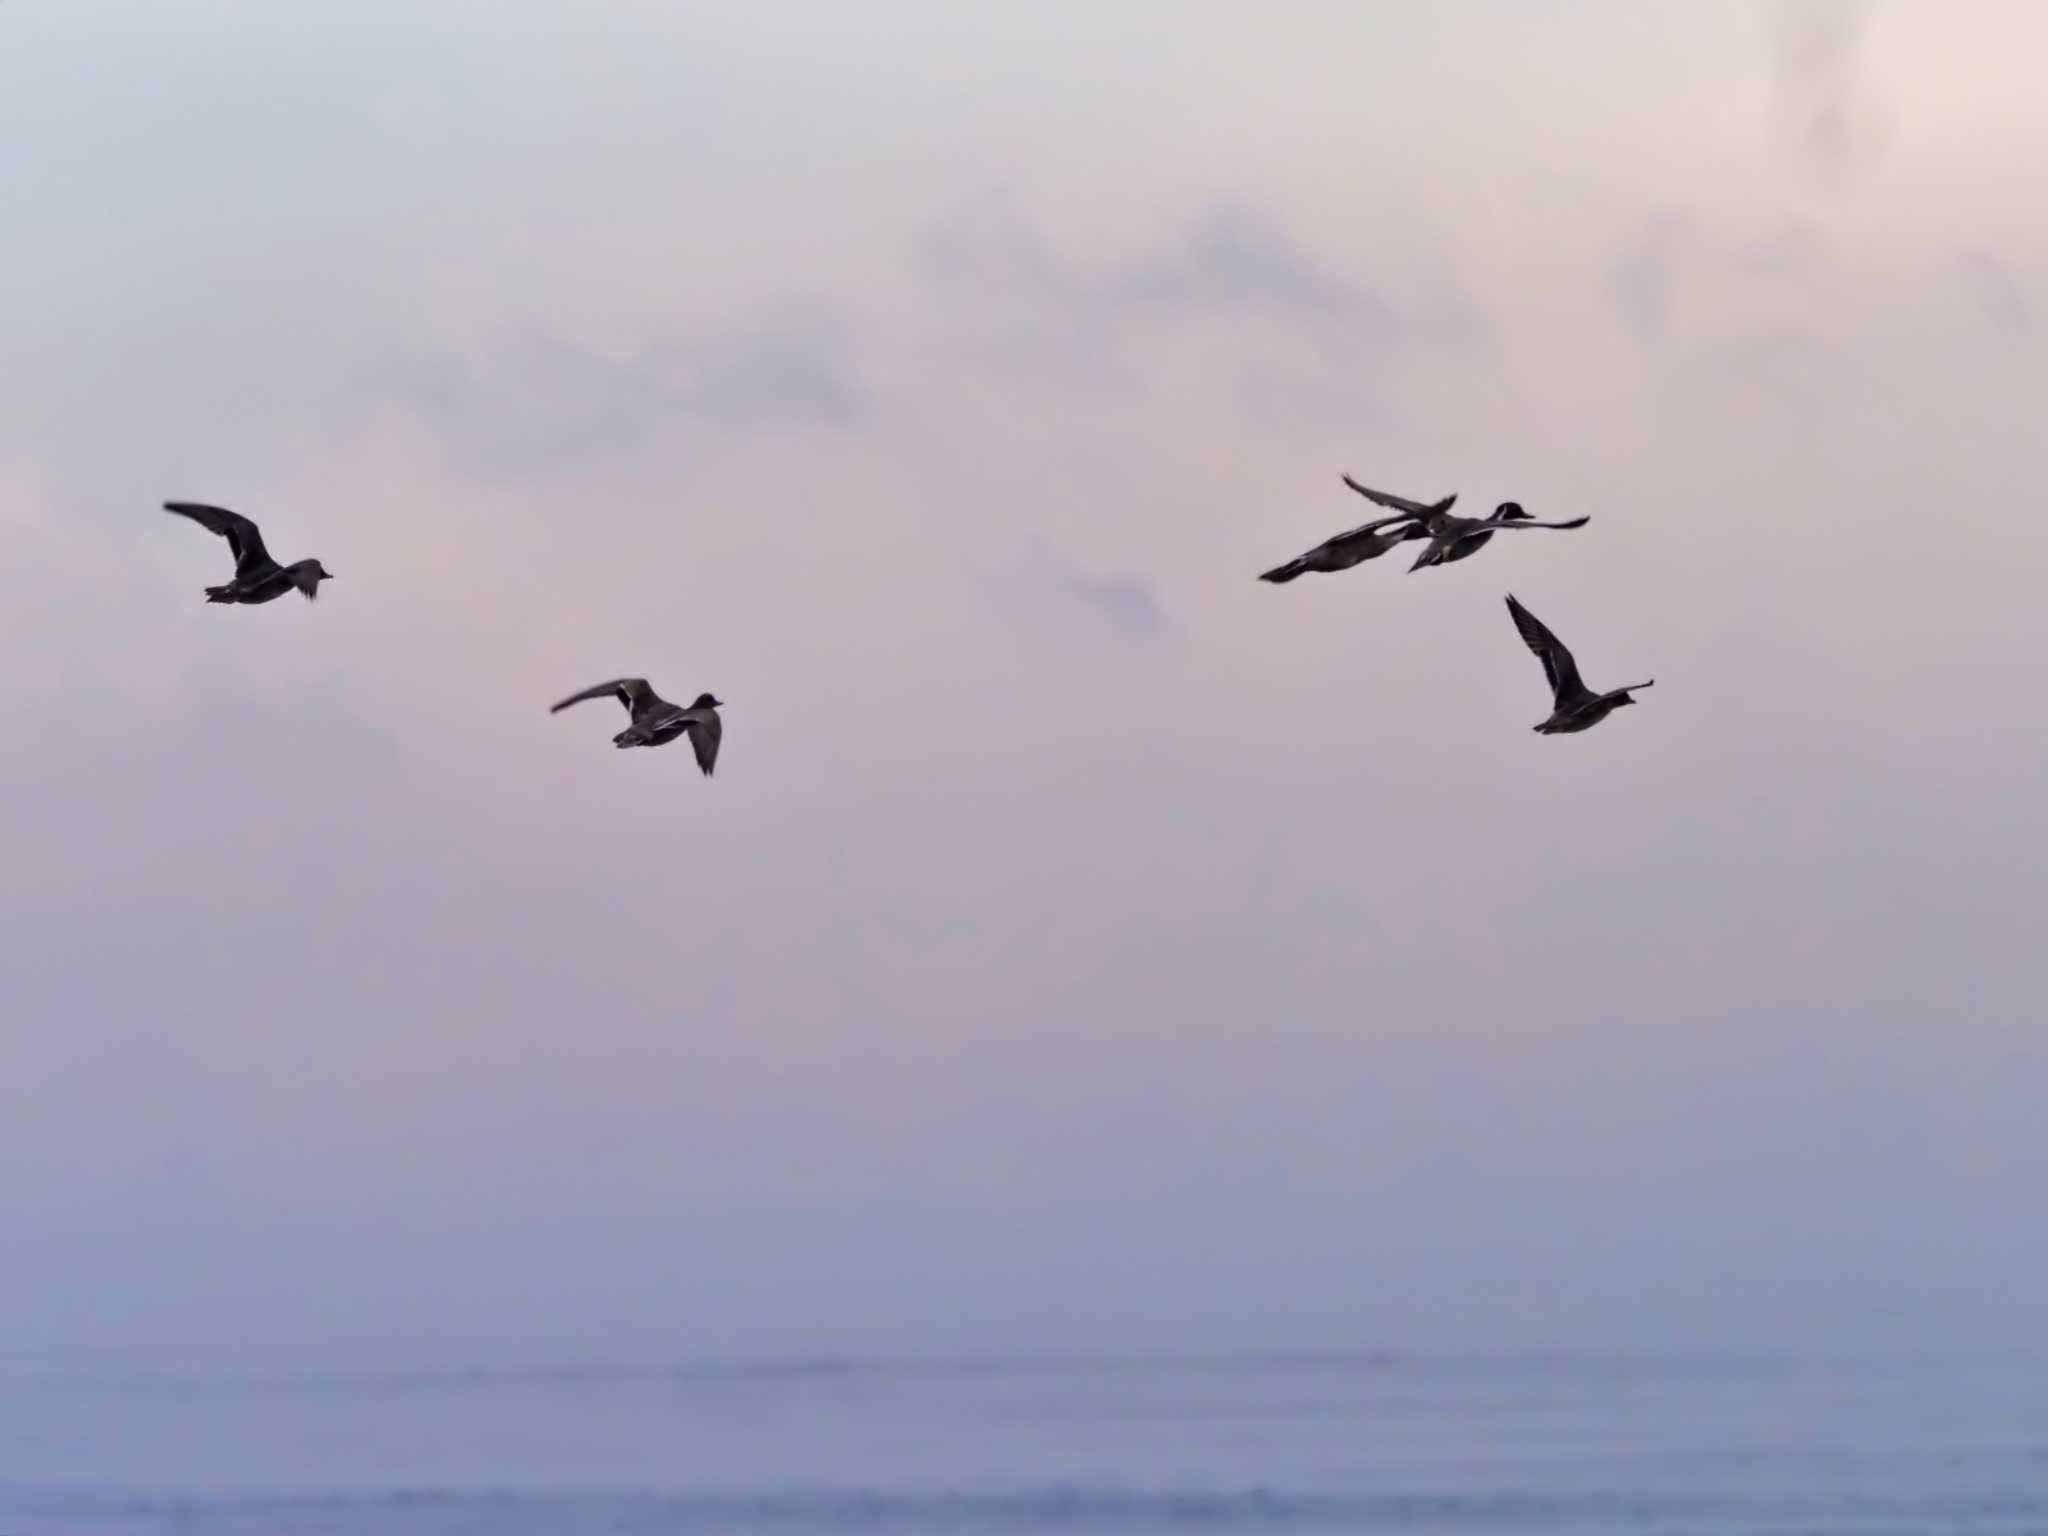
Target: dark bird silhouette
[
  {"x": 1412, "y": 508},
  {"x": 1471, "y": 544},
  {"x": 657, "y": 722},
  {"x": 1575, "y": 706},
  {"x": 1353, "y": 547},
  {"x": 1459, "y": 538},
  {"x": 1366, "y": 542},
  {"x": 258, "y": 578},
  {"x": 1454, "y": 538}
]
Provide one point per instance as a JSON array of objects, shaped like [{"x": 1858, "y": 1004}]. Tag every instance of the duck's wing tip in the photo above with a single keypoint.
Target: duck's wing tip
[{"x": 624, "y": 689}]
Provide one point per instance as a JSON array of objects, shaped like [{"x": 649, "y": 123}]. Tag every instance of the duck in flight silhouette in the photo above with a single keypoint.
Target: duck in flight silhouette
[
  {"x": 1357, "y": 545},
  {"x": 1575, "y": 707},
  {"x": 258, "y": 578},
  {"x": 655, "y": 721},
  {"x": 1453, "y": 538}
]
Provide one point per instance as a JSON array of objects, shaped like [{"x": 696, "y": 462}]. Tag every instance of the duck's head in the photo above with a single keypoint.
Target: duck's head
[
  {"x": 1510, "y": 512},
  {"x": 307, "y": 576},
  {"x": 706, "y": 701}
]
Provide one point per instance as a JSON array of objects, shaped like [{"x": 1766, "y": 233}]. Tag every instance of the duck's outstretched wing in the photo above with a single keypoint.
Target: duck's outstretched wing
[
  {"x": 1558, "y": 666},
  {"x": 706, "y": 731},
  {"x": 242, "y": 535},
  {"x": 1372, "y": 527},
  {"x": 1337, "y": 542},
  {"x": 1401, "y": 503},
  {"x": 632, "y": 692},
  {"x": 1517, "y": 524}
]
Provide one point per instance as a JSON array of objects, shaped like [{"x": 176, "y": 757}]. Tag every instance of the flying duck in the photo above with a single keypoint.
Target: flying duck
[
  {"x": 656, "y": 722},
  {"x": 1365, "y": 542},
  {"x": 1471, "y": 544},
  {"x": 1457, "y": 538},
  {"x": 258, "y": 578},
  {"x": 1577, "y": 707},
  {"x": 1354, "y": 547}
]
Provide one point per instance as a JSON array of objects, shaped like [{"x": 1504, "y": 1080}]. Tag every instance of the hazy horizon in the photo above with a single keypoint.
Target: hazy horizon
[{"x": 1082, "y": 946}]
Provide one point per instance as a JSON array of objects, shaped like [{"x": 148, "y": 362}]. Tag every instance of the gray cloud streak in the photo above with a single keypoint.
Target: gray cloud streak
[
  {"x": 1229, "y": 256},
  {"x": 1037, "y": 580},
  {"x": 1642, "y": 280},
  {"x": 551, "y": 405},
  {"x": 1825, "y": 126},
  {"x": 1232, "y": 256},
  {"x": 1995, "y": 288}
]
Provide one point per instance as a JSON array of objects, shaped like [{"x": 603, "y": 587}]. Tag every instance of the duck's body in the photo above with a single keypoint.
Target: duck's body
[
  {"x": 1354, "y": 547},
  {"x": 303, "y": 576},
  {"x": 1366, "y": 542},
  {"x": 1470, "y": 544},
  {"x": 1575, "y": 707},
  {"x": 258, "y": 578},
  {"x": 655, "y": 721},
  {"x": 1460, "y": 538}
]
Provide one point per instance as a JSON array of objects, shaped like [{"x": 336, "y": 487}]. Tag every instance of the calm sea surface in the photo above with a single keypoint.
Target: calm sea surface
[{"x": 1354, "y": 1443}]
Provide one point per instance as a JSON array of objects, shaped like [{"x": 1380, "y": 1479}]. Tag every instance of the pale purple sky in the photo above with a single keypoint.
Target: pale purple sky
[{"x": 1082, "y": 945}]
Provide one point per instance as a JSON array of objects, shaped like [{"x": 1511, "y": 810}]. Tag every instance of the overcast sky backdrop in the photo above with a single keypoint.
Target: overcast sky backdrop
[{"x": 1082, "y": 945}]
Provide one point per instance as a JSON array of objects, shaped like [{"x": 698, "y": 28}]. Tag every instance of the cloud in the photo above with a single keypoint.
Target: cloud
[
  {"x": 1643, "y": 278},
  {"x": 1231, "y": 257},
  {"x": 777, "y": 381},
  {"x": 1041, "y": 581},
  {"x": 1993, "y": 286},
  {"x": 1123, "y": 598},
  {"x": 1301, "y": 333},
  {"x": 1823, "y": 124},
  {"x": 1795, "y": 251},
  {"x": 988, "y": 240},
  {"x": 554, "y": 405}
]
